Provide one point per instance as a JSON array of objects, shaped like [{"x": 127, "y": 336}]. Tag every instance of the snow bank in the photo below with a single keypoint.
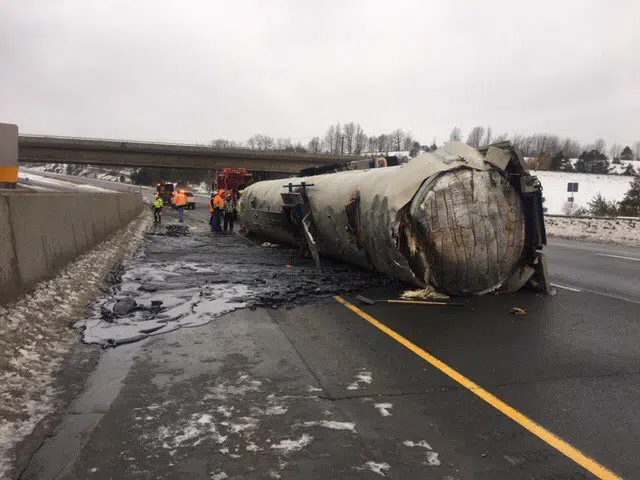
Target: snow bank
[
  {"x": 614, "y": 230},
  {"x": 35, "y": 337}
]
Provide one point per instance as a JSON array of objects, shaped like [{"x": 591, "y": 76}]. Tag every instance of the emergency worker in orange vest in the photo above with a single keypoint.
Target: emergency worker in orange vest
[
  {"x": 180, "y": 201},
  {"x": 217, "y": 209}
]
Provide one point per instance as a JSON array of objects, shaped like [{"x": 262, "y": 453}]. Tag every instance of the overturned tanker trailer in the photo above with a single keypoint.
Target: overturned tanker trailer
[{"x": 458, "y": 220}]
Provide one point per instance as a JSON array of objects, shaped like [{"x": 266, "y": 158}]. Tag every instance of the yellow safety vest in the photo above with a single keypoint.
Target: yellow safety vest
[{"x": 158, "y": 202}]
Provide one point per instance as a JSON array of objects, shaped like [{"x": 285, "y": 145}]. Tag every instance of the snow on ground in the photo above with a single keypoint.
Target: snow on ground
[
  {"x": 621, "y": 231},
  {"x": 556, "y": 196},
  {"x": 48, "y": 183},
  {"x": 375, "y": 467},
  {"x": 431, "y": 457},
  {"x": 293, "y": 445},
  {"x": 331, "y": 424},
  {"x": 361, "y": 378},
  {"x": 384, "y": 408},
  {"x": 101, "y": 173},
  {"x": 35, "y": 337}
]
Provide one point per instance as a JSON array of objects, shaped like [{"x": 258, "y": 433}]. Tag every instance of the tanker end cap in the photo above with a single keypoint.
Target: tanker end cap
[{"x": 464, "y": 232}]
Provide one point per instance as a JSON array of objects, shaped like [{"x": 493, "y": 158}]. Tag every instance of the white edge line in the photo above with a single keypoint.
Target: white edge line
[
  {"x": 572, "y": 289},
  {"x": 618, "y": 256}
]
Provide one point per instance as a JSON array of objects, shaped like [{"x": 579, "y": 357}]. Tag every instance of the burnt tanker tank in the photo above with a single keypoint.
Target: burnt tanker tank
[{"x": 458, "y": 220}]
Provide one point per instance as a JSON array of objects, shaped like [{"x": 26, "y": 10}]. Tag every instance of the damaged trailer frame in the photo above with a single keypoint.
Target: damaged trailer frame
[{"x": 459, "y": 220}]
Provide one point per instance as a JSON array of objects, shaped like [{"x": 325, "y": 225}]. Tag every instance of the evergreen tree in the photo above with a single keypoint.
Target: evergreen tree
[
  {"x": 561, "y": 163},
  {"x": 600, "y": 207},
  {"x": 630, "y": 204},
  {"x": 629, "y": 170},
  {"x": 592, "y": 162},
  {"x": 627, "y": 154}
]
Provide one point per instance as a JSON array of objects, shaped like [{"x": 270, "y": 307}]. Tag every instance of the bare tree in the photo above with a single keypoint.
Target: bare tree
[
  {"x": 397, "y": 136},
  {"x": 487, "y": 138},
  {"x": 339, "y": 145},
  {"x": 407, "y": 142},
  {"x": 223, "y": 143},
  {"x": 517, "y": 140},
  {"x": 599, "y": 145},
  {"x": 571, "y": 148},
  {"x": 260, "y": 141},
  {"x": 314, "y": 145},
  {"x": 384, "y": 143},
  {"x": 361, "y": 140},
  {"x": 372, "y": 144},
  {"x": 455, "y": 135},
  {"x": 503, "y": 137},
  {"x": 614, "y": 151},
  {"x": 636, "y": 150},
  {"x": 475, "y": 137},
  {"x": 330, "y": 139},
  {"x": 349, "y": 133},
  {"x": 283, "y": 144}
]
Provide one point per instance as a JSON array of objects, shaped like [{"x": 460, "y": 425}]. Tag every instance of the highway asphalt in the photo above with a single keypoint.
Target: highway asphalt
[
  {"x": 320, "y": 390},
  {"x": 599, "y": 269}
]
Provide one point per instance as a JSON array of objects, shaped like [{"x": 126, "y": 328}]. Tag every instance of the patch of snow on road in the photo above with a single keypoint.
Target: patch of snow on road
[
  {"x": 362, "y": 377},
  {"x": 35, "y": 337},
  {"x": 431, "y": 456},
  {"x": 376, "y": 467},
  {"x": 384, "y": 408},
  {"x": 333, "y": 425},
  {"x": 289, "y": 446},
  {"x": 275, "y": 410},
  {"x": 219, "y": 476}
]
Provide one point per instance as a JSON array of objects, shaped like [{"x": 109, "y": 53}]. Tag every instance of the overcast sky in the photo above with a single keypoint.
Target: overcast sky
[{"x": 191, "y": 71}]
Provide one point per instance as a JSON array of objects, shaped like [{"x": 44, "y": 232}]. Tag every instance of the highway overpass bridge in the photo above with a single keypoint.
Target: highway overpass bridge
[{"x": 124, "y": 153}]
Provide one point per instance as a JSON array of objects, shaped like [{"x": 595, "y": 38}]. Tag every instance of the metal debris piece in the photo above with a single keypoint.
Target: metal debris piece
[{"x": 521, "y": 312}]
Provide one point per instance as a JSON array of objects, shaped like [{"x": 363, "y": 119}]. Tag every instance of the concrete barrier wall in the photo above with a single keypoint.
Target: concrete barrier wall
[{"x": 41, "y": 232}]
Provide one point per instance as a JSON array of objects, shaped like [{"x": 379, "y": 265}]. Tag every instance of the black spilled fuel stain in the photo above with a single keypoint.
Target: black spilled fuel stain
[{"x": 184, "y": 278}]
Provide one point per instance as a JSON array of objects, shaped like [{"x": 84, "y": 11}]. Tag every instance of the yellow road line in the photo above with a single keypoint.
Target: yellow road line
[{"x": 538, "y": 430}]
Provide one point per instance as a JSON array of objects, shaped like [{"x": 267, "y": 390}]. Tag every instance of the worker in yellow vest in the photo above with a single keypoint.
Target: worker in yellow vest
[
  {"x": 180, "y": 201},
  {"x": 157, "y": 208}
]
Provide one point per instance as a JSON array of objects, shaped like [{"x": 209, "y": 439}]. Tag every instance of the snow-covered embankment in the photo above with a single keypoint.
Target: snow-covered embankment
[{"x": 621, "y": 231}]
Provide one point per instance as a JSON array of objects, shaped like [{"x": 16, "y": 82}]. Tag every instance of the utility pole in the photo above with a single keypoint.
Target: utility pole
[{"x": 342, "y": 145}]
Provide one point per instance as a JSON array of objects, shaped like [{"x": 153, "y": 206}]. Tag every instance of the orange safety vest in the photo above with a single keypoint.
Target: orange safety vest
[
  {"x": 218, "y": 202},
  {"x": 211, "y": 204},
  {"x": 180, "y": 200}
]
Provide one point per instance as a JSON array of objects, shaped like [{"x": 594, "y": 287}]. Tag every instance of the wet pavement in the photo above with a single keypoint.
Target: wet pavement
[
  {"x": 186, "y": 276},
  {"x": 311, "y": 390}
]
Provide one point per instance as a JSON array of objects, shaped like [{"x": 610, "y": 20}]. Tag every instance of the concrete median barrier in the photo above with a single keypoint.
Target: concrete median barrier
[{"x": 41, "y": 232}]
